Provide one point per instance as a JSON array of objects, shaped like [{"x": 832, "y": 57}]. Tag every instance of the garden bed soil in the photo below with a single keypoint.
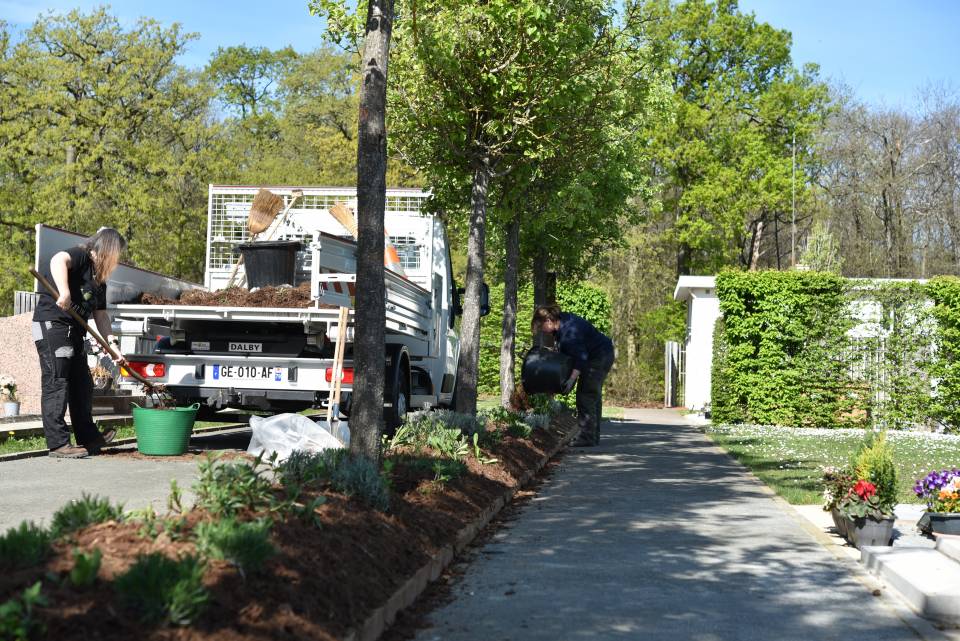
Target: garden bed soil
[
  {"x": 240, "y": 297},
  {"x": 324, "y": 581}
]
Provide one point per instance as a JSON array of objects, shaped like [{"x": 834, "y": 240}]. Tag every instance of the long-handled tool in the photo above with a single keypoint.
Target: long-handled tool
[
  {"x": 155, "y": 390},
  {"x": 264, "y": 209},
  {"x": 333, "y": 407}
]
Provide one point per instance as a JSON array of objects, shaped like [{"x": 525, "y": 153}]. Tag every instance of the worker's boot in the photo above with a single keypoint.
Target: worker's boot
[
  {"x": 69, "y": 451},
  {"x": 104, "y": 438}
]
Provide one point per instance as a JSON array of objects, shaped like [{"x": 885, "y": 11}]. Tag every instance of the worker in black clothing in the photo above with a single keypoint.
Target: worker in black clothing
[
  {"x": 80, "y": 275},
  {"x": 592, "y": 354}
]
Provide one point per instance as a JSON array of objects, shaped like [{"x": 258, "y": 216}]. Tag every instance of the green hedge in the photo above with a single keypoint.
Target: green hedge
[
  {"x": 775, "y": 347},
  {"x": 945, "y": 365},
  {"x": 783, "y": 352},
  {"x": 581, "y": 299}
]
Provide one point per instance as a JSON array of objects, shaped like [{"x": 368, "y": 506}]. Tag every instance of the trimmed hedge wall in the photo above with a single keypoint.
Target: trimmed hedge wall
[
  {"x": 774, "y": 348},
  {"x": 784, "y": 352},
  {"x": 581, "y": 299},
  {"x": 944, "y": 291}
]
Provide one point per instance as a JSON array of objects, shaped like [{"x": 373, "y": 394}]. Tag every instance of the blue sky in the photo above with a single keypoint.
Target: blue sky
[{"x": 883, "y": 49}]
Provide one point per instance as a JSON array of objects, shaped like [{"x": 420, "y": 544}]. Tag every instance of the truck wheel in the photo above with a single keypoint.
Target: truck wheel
[{"x": 397, "y": 391}]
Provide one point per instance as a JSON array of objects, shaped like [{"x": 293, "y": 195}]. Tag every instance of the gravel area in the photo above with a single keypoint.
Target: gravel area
[{"x": 18, "y": 358}]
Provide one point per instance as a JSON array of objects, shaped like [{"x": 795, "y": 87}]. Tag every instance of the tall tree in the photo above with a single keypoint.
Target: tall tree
[
  {"x": 482, "y": 88},
  {"x": 369, "y": 353},
  {"x": 725, "y": 161},
  {"x": 100, "y": 126}
]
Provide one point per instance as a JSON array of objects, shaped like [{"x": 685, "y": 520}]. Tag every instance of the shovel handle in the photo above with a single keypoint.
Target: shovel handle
[{"x": 77, "y": 317}]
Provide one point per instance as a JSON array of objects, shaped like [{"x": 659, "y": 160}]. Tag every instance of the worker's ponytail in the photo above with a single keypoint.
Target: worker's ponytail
[{"x": 108, "y": 244}]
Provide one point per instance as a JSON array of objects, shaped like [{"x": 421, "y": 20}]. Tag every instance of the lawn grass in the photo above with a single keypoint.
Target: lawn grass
[{"x": 791, "y": 460}]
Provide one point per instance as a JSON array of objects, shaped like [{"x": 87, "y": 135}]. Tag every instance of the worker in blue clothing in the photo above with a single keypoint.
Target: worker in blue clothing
[{"x": 592, "y": 354}]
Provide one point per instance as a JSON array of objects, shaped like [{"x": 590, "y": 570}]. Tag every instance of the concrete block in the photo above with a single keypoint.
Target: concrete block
[
  {"x": 926, "y": 578},
  {"x": 949, "y": 546}
]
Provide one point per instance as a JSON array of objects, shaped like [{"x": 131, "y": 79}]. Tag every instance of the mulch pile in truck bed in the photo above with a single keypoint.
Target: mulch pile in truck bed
[
  {"x": 325, "y": 579},
  {"x": 282, "y": 296}
]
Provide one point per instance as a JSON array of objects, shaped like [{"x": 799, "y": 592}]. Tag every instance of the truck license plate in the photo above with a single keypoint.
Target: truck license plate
[{"x": 249, "y": 373}]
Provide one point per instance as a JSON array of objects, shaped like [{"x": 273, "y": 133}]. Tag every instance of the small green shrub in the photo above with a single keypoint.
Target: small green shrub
[
  {"x": 874, "y": 462},
  {"x": 245, "y": 545},
  {"x": 85, "y": 568},
  {"x": 360, "y": 478},
  {"x": 525, "y": 428},
  {"x": 228, "y": 488},
  {"x": 303, "y": 467},
  {"x": 23, "y": 546},
  {"x": 446, "y": 470},
  {"x": 545, "y": 404},
  {"x": 17, "y": 621},
  {"x": 449, "y": 442},
  {"x": 513, "y": 423},
  {"x": 78, "y": 514},
  {"x": 478, "y": 454},
  {"x": 467, "y": 423},
  {"x": 164, "y": 590}
]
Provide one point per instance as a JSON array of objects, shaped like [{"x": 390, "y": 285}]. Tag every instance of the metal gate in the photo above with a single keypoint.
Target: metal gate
[{"x": 674, "y": 373}]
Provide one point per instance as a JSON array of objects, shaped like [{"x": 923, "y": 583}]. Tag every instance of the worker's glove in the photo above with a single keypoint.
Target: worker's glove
[{"x": 568, "y": 386}]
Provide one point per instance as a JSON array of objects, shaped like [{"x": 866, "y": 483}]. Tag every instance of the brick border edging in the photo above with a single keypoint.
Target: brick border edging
[{"x": 384, "y": 616}]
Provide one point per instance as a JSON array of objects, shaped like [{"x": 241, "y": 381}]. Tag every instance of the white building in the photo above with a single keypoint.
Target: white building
[{"x": 703, "y": 310}]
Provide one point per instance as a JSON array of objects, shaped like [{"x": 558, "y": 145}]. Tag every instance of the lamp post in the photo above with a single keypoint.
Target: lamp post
[{"x": 793, "y": 198}]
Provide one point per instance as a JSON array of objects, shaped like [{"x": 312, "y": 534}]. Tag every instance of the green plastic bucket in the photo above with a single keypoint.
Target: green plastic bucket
[{"x": 163, "y": 432}]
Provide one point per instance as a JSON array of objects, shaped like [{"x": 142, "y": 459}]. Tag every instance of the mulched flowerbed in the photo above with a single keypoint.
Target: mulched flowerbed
[
  {"x": 241, "y": 297},
  {"x": 323, "y": 582}
]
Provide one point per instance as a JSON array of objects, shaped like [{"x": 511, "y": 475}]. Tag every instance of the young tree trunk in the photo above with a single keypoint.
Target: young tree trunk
[
  {"x": 540, "y": 279},
  {"x": 369, "y": 354},
  {"x": 470, "y": 323},
  {"x": 509, "y": 330},
  {"x": 755, "y": 246}
]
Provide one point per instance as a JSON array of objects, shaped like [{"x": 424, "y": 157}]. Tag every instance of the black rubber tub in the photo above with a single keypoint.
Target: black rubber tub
[{"x": 270, "y": 263}]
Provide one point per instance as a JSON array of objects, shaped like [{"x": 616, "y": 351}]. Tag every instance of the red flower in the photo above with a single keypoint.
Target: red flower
[{"x": 865, "y": 489}]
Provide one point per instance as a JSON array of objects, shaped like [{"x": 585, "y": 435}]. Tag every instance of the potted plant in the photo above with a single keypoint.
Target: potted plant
[
  {"x": 8, "y": 391},
  {"x": 864, "y": 495},
  {"x": 940, "y": 490},
  {"x": 837, "y": 484}
]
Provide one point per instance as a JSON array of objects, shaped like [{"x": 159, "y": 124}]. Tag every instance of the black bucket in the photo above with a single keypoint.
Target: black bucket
[
  {"x": 270, "y": 263},
  {"x": 545, "y": 371}
]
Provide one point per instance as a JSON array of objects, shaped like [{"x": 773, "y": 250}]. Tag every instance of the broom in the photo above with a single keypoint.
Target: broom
[
  {"x": 263, "y": 210},
  {"x": 344, "y": 216}
]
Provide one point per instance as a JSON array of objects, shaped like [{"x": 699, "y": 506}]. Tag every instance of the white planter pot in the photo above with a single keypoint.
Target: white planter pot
[{"x": 11, "y": 408}]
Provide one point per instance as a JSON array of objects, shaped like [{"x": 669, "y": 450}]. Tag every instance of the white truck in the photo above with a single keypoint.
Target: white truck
[{"x": 281, "y": 359}]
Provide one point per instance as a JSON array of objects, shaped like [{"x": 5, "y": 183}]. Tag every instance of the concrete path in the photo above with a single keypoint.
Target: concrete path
[
  {"x": 33, "y": 489},
  {"x": 659, "y": 535}
]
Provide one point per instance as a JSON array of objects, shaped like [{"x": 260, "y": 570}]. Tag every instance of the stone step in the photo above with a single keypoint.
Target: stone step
[
  {"x": 928, "y": 579},
  {"x": 949, "y": 545}
]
